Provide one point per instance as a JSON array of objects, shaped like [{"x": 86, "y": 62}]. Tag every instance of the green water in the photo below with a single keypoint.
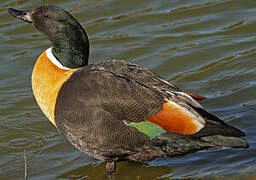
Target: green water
[{"x": 207, "y": 47}]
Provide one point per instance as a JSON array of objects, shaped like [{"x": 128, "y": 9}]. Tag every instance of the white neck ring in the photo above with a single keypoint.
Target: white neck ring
[{"x": 53, "y": 59}]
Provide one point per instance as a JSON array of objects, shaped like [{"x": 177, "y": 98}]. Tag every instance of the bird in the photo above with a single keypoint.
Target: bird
[{"x": 115, "y": 110}]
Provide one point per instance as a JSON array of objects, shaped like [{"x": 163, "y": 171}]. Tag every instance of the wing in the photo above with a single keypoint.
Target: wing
[
  {"x": 142, "y": 75},
  {"x": 179, "y": 112},
  {"x": 97, "y": 108}
]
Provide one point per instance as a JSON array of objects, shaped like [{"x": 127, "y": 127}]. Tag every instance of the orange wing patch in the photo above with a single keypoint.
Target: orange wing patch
[
  {"x": 174, "y": 118},
  {"x": 196, "y": 97}
]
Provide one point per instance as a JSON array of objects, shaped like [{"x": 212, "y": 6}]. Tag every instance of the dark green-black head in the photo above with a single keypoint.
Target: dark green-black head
[{"x": 69, "y": 39}]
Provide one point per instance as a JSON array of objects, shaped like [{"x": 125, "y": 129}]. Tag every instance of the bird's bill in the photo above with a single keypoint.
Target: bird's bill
[{"x": 23, "y": 15}]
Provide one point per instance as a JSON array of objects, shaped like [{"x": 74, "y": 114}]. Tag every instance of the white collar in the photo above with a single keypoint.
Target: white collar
[{"x": 53, "y": 59}]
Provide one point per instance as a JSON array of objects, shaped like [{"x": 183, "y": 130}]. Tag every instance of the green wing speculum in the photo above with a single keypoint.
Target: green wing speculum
[{"x": 150, "y": 129}]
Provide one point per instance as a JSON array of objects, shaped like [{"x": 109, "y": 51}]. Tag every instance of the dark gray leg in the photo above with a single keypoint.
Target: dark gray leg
[{"x": 111, "y": 168}]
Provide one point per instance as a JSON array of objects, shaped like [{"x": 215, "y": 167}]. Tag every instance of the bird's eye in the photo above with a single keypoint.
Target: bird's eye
[{"x": 46, "y": 15}]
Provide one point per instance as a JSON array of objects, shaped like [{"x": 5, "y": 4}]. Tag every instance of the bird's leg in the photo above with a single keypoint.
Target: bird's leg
[{"x": 111, "y": 168}]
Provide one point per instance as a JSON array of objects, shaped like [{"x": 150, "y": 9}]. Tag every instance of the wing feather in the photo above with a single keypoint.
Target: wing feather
[{"x": 132, "y": 94}]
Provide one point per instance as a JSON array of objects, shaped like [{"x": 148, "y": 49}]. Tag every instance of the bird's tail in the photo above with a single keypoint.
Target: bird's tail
[{"x": 178, "y": 145}]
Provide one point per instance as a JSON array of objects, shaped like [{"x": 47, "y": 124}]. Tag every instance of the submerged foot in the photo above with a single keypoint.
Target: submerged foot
[{"x": 110, "y": 168}]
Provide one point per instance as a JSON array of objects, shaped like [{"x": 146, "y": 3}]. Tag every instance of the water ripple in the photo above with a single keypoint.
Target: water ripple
[{"x": 206, "y": 47}]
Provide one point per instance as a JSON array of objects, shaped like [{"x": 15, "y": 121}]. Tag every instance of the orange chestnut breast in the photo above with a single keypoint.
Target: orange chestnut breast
[{"x": 47, "y": 79}]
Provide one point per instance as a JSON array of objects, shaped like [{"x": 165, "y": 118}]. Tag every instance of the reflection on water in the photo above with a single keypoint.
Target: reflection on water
[{"x": 207, "y": 47}]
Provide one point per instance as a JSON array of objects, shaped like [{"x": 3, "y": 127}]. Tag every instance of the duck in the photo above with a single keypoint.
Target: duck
[{"x": 116, "y": 110}]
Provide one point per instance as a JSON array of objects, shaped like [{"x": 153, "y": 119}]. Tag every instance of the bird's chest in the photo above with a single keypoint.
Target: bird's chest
[{"x": 47, "y": 80}]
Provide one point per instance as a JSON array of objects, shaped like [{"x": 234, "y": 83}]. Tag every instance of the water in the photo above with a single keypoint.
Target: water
[{"x": 207, "y": 47}]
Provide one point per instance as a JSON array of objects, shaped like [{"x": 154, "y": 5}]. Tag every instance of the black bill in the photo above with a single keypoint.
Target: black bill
[{"x": 23, "y": 15}]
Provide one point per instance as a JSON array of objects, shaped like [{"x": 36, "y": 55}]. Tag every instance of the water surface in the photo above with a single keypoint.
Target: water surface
[{"x": 207, "y": 47}]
